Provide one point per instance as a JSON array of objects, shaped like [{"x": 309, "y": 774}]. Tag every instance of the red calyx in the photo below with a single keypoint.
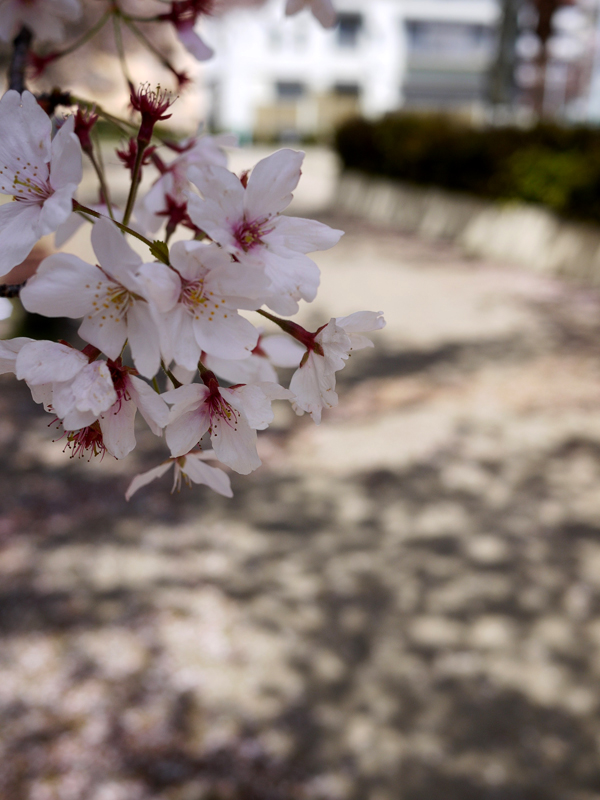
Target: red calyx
[
  {"x": 129, "y": 155},
  {"x": 186, "y": 12},
  {"x": 177, "y": 214},
  {"x": 39, "y": 63},
  {"x": 84, "y": 122}
]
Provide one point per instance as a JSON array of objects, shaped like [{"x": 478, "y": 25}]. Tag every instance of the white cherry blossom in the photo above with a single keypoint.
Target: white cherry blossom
[
  {"x": 44, "y": 18},
  {"x": 9, "y": 350},
  {"x": 118, "y": 422},
  {"x": 81, "y": 390},
  {"x": 199, "y": 151},
  {"x": 110, "y": 297},
  {"x": 191, "y": 468},
  {"x": 322, "y": 9},
  {"x": 41, "y": 173},
  {"x": 246, "y": 221},
  {"x": 313, "y": 383},
  {"x": 231, "y": 416},
  {"x": 198, "y": 301}
]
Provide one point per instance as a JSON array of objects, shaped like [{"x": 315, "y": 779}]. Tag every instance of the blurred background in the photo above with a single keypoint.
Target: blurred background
[{"x": 403, "y": 603}]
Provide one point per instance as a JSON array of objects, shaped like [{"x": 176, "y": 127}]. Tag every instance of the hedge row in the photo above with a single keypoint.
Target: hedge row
[{"x": 552, "y": 165}]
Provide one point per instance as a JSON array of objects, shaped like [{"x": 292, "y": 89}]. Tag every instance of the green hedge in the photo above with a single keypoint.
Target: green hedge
[{"x": 552, "y": 165}]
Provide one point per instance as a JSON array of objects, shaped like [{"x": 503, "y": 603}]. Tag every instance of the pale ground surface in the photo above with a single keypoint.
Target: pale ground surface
[{"x": 403, "y": 604}]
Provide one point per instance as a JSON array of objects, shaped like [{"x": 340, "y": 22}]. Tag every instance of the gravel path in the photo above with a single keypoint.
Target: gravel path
[{"x": 402, "y": 604}]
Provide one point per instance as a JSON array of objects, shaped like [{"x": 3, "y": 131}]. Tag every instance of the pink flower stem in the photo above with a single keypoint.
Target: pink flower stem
[
  {"x": 136, "y": 176},
  {"x": 90, "y": 211}
]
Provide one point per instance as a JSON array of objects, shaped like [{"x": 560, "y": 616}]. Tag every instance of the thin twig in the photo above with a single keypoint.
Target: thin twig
[{"x": 18, "y": 62}]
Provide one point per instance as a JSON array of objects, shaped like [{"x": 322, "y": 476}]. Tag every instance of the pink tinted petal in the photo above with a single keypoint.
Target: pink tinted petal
[{"x": 147, "y": 477}]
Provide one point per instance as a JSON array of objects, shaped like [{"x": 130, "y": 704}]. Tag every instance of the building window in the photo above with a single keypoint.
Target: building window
[
  {"x": 348, "y": 29},
  {"x": 448, "y": 38},
  {"x": 289, "y": 90},
  {"x": 347, "y": 89}
]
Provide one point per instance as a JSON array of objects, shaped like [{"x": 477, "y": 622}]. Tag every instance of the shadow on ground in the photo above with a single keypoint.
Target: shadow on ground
[{"x": 426, "y": 627}]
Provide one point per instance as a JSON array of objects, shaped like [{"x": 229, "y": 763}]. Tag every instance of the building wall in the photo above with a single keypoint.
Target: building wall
[{"x": 277, "y": 76}]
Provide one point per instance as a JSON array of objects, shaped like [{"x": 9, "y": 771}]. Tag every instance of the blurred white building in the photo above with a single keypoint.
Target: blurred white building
[{"x": 275, "y": 76}]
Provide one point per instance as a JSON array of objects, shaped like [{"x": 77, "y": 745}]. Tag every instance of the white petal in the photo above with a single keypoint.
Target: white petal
[
  {"x": 93, "y": 388},
  {"x": 304, "y": 235},
  {"x": 56, "y": 209},
  {"x": 114, "y": 254},
  {"x": 118, "y": 428},
  {"x": 225, "y": 334},
  {"x": 185, "y": 432},
  {"x": 68, "y": 229},
  {"x": 18, "y": 233},
  {"x": 63, "y": 286},
  {"x": 48, "y": 362},
  {"x": 147, "y": 477},
  {"x": 234, "y": 444},
  {"x": 151, "y": 405},
  {"x": 362, "y": 321},
  {"x": 282, "y": 351},
  {"x": 194, "y": 44},
  {"x": 25, "y": 131},
  {"x": 271, "y": 184},
  {"x": 143, "y": 339},
  {"x": 214, "y": 478},
  {"x": 65, "y": 163},
  {"x": 183, "y": 347},
  {"x": 314, "y": 387},
  {"x": 9, "y": 350},
  {"x": 247, "y": 370},
  {"x": 162, "y": 286},
  {"x": 108, "y": 335}
]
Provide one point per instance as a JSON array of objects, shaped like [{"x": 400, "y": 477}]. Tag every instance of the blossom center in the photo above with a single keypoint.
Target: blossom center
[
  {"x": 219, "y": 409},
  {"x": 249, "y": 235},
  {"x": 197, "y": 301},
  {"x": 26, "y": 183},
  {"x": 111, "y": 302}
]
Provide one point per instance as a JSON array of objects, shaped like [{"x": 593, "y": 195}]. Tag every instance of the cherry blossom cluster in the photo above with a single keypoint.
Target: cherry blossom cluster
[
  {"x": 170, "y": 325},
  {"x": 46, "y": 21}
]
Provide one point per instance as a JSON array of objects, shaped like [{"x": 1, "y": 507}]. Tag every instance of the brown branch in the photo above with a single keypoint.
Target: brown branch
[
  {"x": 10, "y": 290},
  {"x": 18, "y": 62}
]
